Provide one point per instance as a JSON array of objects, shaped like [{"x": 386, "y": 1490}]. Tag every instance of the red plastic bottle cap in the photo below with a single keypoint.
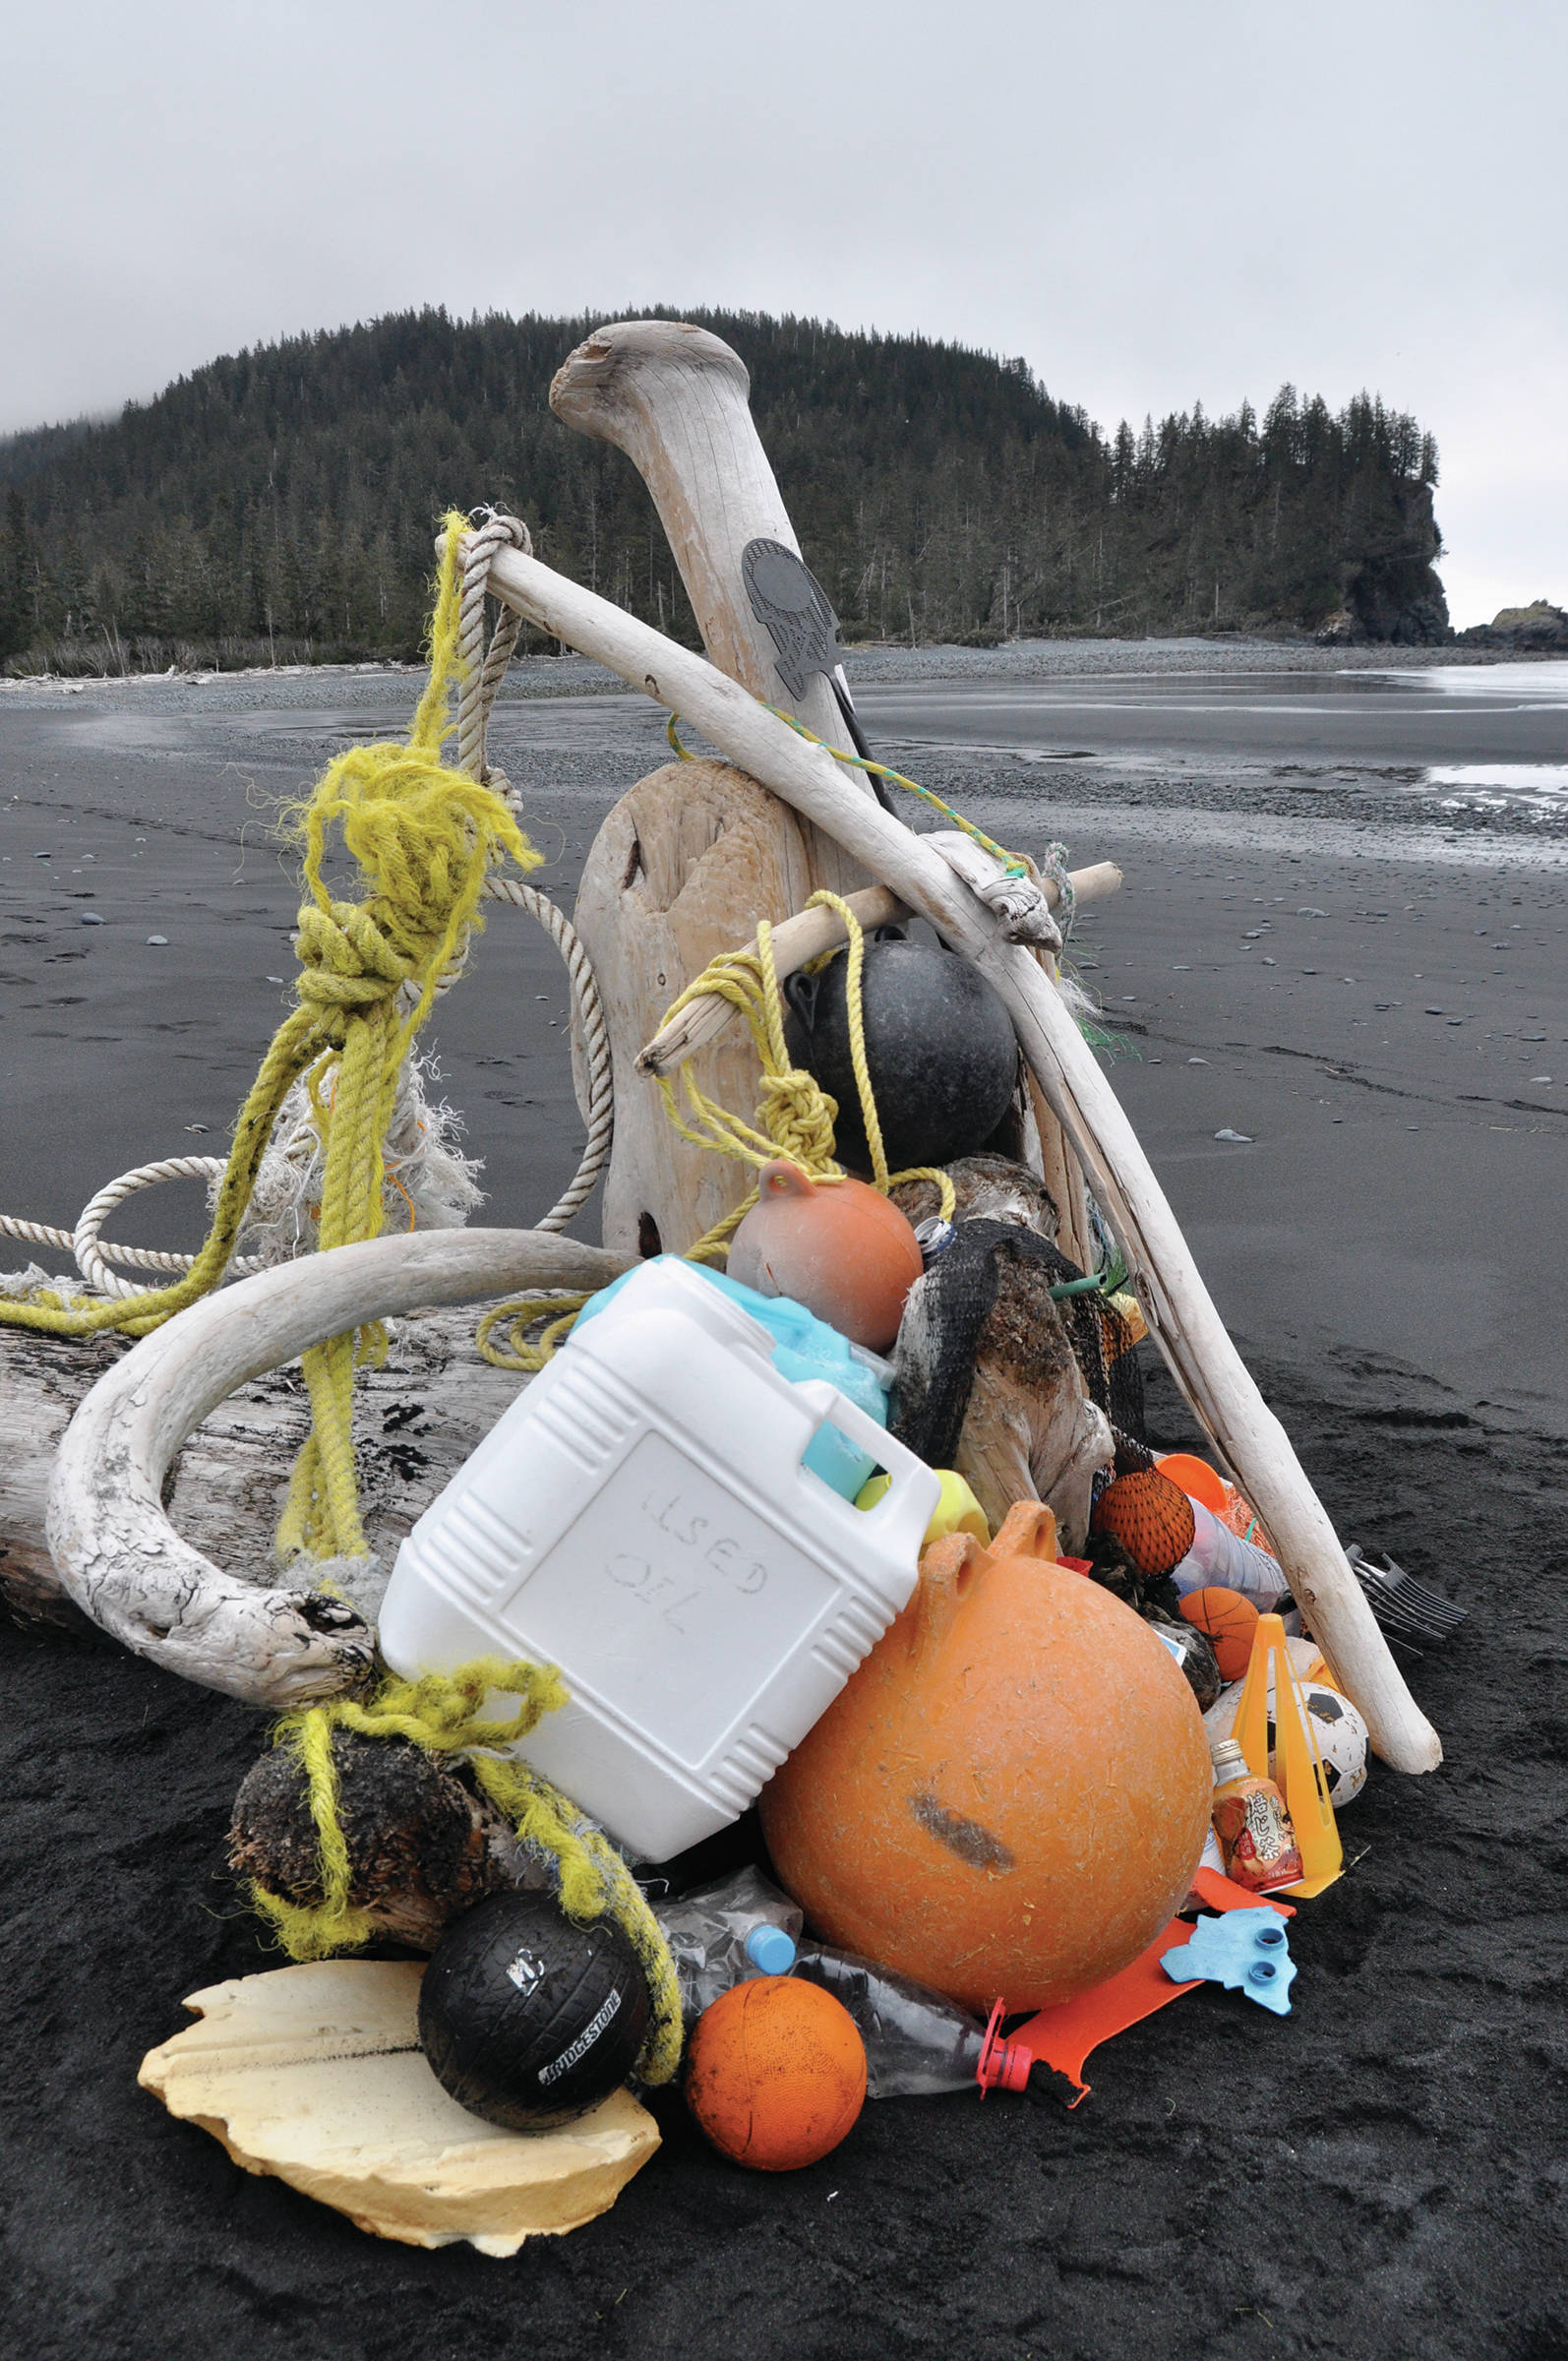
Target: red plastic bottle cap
[{"x": 1003, "y": 2065}]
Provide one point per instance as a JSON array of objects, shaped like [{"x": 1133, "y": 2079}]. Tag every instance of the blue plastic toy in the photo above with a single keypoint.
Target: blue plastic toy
[
  {"x": 805, "y": 1348},
  {"x": 1243, "y": 1949}
]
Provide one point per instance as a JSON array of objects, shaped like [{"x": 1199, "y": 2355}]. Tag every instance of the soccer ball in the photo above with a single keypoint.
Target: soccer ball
[{"x": 1338, "y": 1728}]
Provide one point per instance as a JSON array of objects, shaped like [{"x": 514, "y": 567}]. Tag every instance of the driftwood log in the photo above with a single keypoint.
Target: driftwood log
[
  {"x": 693, "y": 856},
  {"x": 681, "y": 870},
  {"x": 1176, "y": 1303},
  {"x": 803, "y": 937},
  {"x": 117, "y": 1554},
  {"x": 418, "y": 1417},
  {"x": 675, "y": 399}
]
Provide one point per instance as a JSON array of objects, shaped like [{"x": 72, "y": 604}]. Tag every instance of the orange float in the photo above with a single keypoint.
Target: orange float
[
  {"x": 838, "y": 1246},
  {"x": 775, "y": 2073},
  {"x": 1010, "y": 1794}
]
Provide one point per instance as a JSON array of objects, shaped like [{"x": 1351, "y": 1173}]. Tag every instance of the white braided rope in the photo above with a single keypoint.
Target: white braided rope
[
  {"x": 595, "y": 1042},
  {"x": 93, "y": 1254},
  {"x": 92, "y": 1260},
  {"x": 482, "y": 675}
]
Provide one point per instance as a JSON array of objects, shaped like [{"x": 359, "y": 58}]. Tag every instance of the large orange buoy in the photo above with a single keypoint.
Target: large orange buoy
[{"x": 1010, "y": 1794}]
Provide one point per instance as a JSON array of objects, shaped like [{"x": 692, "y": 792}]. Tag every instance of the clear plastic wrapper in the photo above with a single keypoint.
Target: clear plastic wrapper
[{"x": 719, "y": 1935}]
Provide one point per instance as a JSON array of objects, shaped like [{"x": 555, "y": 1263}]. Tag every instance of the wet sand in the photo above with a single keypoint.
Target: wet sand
[{"x": 1372, "y": 2175}]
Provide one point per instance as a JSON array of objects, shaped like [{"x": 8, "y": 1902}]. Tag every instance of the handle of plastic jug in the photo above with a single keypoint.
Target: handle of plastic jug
[{"x": 834, "y": 1409}]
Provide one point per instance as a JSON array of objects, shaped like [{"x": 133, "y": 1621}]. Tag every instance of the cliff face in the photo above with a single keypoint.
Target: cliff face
[{"x": 1393, "y": 595}]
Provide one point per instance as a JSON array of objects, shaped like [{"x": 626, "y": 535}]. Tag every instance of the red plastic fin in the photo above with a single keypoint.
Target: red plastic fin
[{"x": 1064, "y": 2035}]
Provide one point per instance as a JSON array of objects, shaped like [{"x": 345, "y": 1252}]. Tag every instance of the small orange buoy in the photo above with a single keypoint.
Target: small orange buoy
[
  {"x": 838, "y": 1246},
  {"x": 1230, "y": 1621},
  {"x": 776, "y": 2073},
  {"x": 1149, "y": 1516}
]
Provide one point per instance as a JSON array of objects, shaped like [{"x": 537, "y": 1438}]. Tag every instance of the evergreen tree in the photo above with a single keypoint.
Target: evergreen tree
[{"x": 281, "y": 503}]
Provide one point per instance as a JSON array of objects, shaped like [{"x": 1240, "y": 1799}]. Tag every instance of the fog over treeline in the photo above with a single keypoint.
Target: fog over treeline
[{"x": 279, "y": 504}]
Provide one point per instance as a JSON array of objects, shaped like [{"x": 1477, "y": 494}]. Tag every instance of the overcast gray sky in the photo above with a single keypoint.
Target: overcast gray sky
[{"x": 1154, "y": 204}]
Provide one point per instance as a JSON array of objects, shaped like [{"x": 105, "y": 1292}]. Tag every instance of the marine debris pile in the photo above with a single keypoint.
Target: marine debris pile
[{"x": 814, "y": 1688}]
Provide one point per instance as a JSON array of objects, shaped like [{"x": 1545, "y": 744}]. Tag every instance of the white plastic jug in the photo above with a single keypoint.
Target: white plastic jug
[{"x": 640, "y": 1517}]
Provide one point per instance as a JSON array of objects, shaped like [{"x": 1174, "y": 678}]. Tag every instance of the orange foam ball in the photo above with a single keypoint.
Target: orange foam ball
[
  {"x": 1148, "y": 1518},
  {"x": 775, "y": 2073},
  {"x": 1230, "y": 1621}
]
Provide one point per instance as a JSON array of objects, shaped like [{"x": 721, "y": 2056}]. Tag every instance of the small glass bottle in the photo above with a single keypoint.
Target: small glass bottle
[{"x": 1252, "y": 1825}]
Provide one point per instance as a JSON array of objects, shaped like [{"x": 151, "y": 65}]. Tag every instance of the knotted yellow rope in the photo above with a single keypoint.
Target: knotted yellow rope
[
  {"x": 425, "y": 838},
  {"x": 442, "y": 1714},
  {"x": 796, "y": 1115},
  {"x": 795, "y": 1118}
]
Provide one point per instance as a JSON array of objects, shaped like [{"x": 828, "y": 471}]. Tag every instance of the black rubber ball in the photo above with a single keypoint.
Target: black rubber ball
[
  {"x": 527, "y": 2019},
  {"x": 940, "y": 1048}
]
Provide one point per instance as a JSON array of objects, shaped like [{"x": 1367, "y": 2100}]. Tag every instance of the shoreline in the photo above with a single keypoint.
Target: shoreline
[{"x": 873, "y": 660}]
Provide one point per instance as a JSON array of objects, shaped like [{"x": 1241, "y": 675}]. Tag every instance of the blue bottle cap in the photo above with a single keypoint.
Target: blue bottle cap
[{"x": 771, "y": 1949}]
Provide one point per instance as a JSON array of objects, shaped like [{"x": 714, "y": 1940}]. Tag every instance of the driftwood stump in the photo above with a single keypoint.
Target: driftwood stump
[{"x": 683, "y": 869}]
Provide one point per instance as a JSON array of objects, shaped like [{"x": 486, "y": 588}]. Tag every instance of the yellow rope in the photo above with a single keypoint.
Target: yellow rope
[
  {"x": 425, "y": 838},
  {"x": 795, "y": 1119},
  {"x": 442, "y": 1714},
  {"x": 1012, "y": 863}
]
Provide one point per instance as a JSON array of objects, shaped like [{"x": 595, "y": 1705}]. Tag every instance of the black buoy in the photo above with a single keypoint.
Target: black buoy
[
  {"x": 528, "y": 2018},
  {"x": 940, "y": 1048}
]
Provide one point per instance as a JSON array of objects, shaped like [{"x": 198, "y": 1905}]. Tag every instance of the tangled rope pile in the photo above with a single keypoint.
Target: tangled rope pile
[{"x": 442, "y": 1714}]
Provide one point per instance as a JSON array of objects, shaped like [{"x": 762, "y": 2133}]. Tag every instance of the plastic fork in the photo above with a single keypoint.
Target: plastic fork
[{"x": 1401, "y": 1603}]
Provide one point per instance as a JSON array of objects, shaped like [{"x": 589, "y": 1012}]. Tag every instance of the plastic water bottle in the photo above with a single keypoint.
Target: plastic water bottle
[
  {"x": 918, "y": 2043},
  {"x": 1221, "y": 1559},
  {"x": 721, "y": 1934}
]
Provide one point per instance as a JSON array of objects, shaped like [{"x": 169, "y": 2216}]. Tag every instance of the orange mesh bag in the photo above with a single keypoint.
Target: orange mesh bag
[{"x": 1149, "y": 1519}]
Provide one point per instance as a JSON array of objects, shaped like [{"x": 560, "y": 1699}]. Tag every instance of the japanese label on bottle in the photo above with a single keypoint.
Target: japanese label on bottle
[{"x": 1256, "y": 1836}]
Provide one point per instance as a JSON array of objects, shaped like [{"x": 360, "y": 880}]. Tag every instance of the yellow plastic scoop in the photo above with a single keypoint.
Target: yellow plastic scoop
[{"x": 1299, "y": 1767}]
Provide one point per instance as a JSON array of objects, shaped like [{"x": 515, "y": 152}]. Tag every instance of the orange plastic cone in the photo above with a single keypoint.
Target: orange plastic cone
[{"x": 1300, "y": 1765}]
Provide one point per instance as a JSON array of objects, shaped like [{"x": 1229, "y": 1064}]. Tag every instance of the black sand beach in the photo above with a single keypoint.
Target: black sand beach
[{"x": 1360, "y": 973}]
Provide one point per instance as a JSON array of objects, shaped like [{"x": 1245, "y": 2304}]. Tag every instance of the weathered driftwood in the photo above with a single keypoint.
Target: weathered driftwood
[
  {"x": 674, "y": 398},
  {"x": 1176, "y": 1303},
  {"x": 806, "y": 936},
  {"x": 419, "y": 1416},
  {"x": 683, "y": 869},
  {"x": 801, "y": 937},
  {"x": 116, "y": 1552},
  {"x": 315, "y": 2074},
  {"x": 687, "y": 864}
]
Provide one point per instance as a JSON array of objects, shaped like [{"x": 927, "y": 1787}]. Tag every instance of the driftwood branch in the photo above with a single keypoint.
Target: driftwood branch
[
  {"x": 805, "y": 938},
  {"x": 1176, "y": 1304},
  {"x": 116, "y": 1552}
]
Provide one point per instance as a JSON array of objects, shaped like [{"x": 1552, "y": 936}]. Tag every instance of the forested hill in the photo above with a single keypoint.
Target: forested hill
[{"x": 279, "y": 504}]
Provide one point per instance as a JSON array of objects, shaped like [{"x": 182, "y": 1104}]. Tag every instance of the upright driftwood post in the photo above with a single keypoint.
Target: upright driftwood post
[
  {"x": 693, "y": 856},
  {"x": 1180, "y": 1311}
]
